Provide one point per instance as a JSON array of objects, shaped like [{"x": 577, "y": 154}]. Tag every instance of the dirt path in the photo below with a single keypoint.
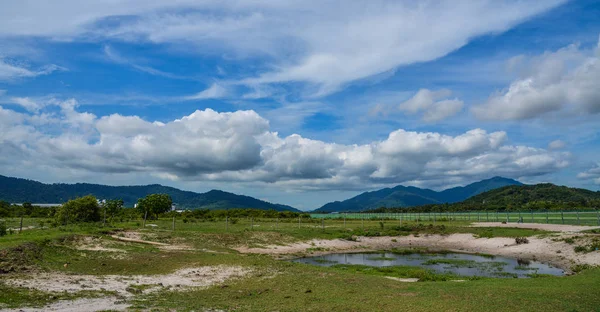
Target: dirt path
[
  {"x": 565, "y": 228},
  {"x": 548, "y": 249}
]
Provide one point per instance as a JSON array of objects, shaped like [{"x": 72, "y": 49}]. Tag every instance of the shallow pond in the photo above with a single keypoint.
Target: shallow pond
[{"x": 456, "y": 263}]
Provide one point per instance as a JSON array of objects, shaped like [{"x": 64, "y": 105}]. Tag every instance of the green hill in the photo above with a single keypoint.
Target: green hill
[
  {"x": 539, "y": 196},
  {"x": 408, "y": 196},
  {"x": 17, "y": 190}
]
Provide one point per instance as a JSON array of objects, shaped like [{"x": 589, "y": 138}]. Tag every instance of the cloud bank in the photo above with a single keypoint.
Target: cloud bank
[{"x": 239, "y": 146}]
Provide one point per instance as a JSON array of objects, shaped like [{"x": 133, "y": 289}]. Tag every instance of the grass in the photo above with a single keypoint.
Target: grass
[{"x": 294, "y": 286}]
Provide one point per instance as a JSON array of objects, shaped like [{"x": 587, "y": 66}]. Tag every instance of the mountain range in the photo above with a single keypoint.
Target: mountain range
[
  {"x": 16, "y": 190},
  {"x": 408, "y": 196}
]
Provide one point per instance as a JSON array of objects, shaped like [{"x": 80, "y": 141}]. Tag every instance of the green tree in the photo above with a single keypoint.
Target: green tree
[
  {"x": 154, "y": 204},
  {"x": 28, "y": 207},
  {"x": 82, "y": 209},
  {"x": 113, "y": 207}
]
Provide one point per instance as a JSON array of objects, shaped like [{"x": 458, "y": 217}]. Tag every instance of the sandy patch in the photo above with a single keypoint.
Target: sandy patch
[
  {"x": 84, "y": 304},
  {"x": 184, "y": 278},
  {"x": 95, "y": 244},
  {"x": 404, "y": 280},
  {"x": 565, "y": 228},
  {"x": 549, "y": 249}
]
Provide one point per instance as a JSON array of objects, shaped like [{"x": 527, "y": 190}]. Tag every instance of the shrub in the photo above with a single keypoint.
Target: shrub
[
  {"x": 521, "y": 240},
  {"x": 83, "y": 209},
  {"x": 2, "y": 229}
]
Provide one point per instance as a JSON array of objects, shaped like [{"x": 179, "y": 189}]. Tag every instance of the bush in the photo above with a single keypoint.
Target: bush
[
  {"x": 521, "y": 240},
  {"x": 2, "y": 229},
  {"x": 83, "y": 209}
]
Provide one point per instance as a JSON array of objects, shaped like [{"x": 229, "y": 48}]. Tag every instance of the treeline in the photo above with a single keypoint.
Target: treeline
[{"x": 153, "y": 206}]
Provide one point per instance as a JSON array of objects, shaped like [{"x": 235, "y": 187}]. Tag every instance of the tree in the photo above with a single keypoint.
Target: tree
[
  {"x": 28, "y": 207},
  {"x": 82, "y": 209},
  {"x": 154, "y": 204},
  {"x": 113, "y": 207}
]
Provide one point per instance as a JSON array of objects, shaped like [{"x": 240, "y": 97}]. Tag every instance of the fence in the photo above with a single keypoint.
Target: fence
[{"x": 550, "y": 217}]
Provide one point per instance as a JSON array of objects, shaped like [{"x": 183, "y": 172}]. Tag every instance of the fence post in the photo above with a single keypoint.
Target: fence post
[
  {"x": 532, "y": 216},
  {"x": 226, "y": 223},
  {"x": 103, "y": 222},
  {"x": 277, "y": 224},
  {"x": 344, "y": 220},
  {"x": 21, "y": 223},
  {"x": 323, "y": 224},
  {"x": 402, "y": 214},
  {"x": 487, "y": 216},
  {"x": 173, "y": 222},
  {"x": 363, "y": 222},
  {"x": 252, "y": 223},
  {"x": 298, "y": 221},
  {"x": 598, "y": 216},
  {"x": 507, "y": 218},
  {"x": 434, "y": 218},
  {"x": 547, "y": 217},
  {"x": 562, "y": 216},
  {"x": 578, "y": 223}
]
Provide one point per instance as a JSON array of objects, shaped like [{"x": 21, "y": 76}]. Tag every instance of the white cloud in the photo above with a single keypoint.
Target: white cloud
[
  {"x": 215, "y": 91},
  {"x": 563, "y": 82},
  {"x": 431, "y": 104},
  {"x": 592, "y": 174},
  {"x": 556, "y": 145},
  {"x": 323, "y": 42},
  {"x": 27, "y": 103},
  {"x": 239, "y": 146},
  {"x": 11, "y": 71},
  {"x": 114, "y": 56}
]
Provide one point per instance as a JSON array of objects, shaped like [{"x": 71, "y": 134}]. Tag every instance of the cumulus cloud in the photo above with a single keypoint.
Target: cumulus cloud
[
  {"x": 240, "y": 146},
  {"x": 320, "y": 42},
  {"x": 565, "y": 81},
  {"x": 433, "y": 104},
  {"x": 592, "y": 174}
]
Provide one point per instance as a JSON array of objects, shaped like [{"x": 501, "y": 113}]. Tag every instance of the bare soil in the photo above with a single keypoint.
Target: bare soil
[
  {"x": 549, "y": 249},
  {"x": 84, "y": 304}
]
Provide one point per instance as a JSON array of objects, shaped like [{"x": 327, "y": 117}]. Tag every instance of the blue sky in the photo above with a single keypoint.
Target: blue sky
[{"x": 300, "y": 102}]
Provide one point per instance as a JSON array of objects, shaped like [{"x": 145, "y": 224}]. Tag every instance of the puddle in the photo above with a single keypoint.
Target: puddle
[{"x": 456, "y": 263}]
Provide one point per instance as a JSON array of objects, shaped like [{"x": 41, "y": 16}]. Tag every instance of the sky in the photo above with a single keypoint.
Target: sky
[{"x": 300, "y": 102}]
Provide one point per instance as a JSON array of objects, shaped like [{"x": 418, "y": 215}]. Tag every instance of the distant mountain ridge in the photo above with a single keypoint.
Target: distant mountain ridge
[
  {"x": 17, "y": 190},
  {"x": 408, "y": 196}
]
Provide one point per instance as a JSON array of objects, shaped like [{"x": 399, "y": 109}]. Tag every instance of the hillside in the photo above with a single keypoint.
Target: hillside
[
  {"x": 17, "y": 190},
  {"x": 403, "y": 196},
  {"x": 544, "y": 195}
]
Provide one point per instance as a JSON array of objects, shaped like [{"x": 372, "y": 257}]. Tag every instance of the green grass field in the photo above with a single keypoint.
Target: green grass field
[
  {"x": 550, "y": 217},
  {"x": 279, "y": 285}
]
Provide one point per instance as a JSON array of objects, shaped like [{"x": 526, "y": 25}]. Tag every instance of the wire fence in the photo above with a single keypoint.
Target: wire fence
[{"x": 549, "y": 217}]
